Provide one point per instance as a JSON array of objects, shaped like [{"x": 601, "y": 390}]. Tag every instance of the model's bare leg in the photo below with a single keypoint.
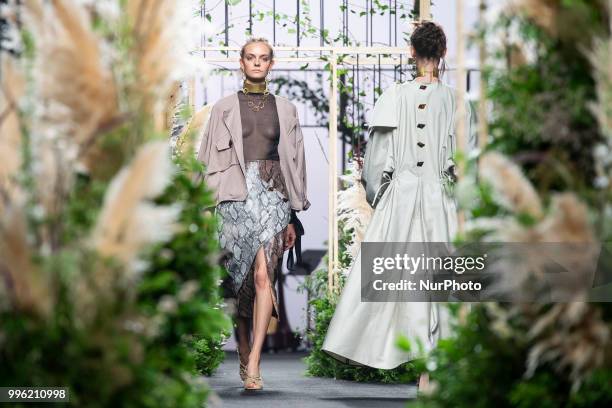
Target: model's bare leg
[
  {"x": 243, "y": 328},
  {"x": 262, "y": 311}
]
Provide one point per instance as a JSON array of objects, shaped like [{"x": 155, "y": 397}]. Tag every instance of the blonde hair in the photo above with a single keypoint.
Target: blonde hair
[{"x": 253, "y": 40}]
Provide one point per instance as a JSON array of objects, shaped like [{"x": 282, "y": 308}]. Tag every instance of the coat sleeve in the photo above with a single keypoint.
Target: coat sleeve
[
  {"x": 471, "y": 134},
  {"x": 378, "y": 163}
]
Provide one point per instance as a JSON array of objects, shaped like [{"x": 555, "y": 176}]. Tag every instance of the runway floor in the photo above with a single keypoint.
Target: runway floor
[{"x": 287, "y": 386}]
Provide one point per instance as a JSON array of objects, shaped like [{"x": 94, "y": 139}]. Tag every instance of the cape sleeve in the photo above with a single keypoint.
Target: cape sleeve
[
  {"x": 378, "y": 164},
  {"x": 471, "y": 133}
]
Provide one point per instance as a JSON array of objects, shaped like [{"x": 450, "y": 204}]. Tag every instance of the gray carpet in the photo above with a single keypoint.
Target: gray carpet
[{"x": 285, "y": 385}]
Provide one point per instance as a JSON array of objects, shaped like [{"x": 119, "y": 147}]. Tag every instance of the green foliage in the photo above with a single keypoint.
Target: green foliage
[
  {"x": 472, "y": 361},
  {"x": 190, "y": 258},
  {"x": 541, "y": 108},
  {"x": 115, "y": 333},
  {"x": 477, "y": 359},
  {"x": 135, "y": 354},
  {"x": 542, "y": 118},
  {"x": 208, "y": 352}
]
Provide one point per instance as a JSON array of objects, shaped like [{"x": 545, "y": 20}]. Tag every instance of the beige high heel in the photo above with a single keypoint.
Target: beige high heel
[
  {"x": 253, "y": 383},
  {"x": 243, "y": 367},
  {"x": 243, "y": 374}
]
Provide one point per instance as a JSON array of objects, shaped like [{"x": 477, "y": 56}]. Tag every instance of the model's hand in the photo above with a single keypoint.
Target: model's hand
[{"x": 289, "y": 237}]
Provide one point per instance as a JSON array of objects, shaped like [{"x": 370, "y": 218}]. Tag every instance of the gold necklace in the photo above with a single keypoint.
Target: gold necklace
[
  {"x": 435, "y": 73},
  {"x": 256, "y": 105}
]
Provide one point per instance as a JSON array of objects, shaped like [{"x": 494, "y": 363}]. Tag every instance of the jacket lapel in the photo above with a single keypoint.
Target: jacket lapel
[{"x": 231, "y": 118}]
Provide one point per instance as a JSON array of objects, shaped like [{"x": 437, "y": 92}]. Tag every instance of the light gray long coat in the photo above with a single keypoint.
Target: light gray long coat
[
  {"x": 412, "y": 124},
  {"x": 221, "y": 151}
]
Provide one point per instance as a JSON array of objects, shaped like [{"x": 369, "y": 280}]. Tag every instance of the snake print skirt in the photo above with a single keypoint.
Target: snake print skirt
[{"x": 245, "y": 226}]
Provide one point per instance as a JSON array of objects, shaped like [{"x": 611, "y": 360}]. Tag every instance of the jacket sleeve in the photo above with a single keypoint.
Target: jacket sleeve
[
  {"x": 300, "y": 161},
  {"x": 206, "y": 143},
  {"x": 378, "y": 163}
]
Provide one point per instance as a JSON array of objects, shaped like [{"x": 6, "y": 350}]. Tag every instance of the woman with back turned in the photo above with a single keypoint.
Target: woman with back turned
[{"x": 407, "y": 163}]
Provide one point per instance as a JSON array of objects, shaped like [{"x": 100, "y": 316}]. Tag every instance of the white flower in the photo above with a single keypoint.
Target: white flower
[
  {"x": 134, "y": 326},
  {"x": 601, "y": 151},
  {"x": 431, "y": 365},
  {"x": 188, "y": 289},
  {"x": 38, "y": 212},
  {"x": 466, "y": 192},
  {"x": 601, "y": 182},
  {"x": 167, "y": 304}
]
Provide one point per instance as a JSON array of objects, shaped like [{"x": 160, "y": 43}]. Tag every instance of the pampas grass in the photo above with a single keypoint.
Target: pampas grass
[
  {"x": 568, "y": 221},
  {"x": 570, "y": 336},
  {"x": 510, "y": 187},
  {"x": 573, "y": 336},
  {"x": 161, "y": 38},
  {"x": 75, "y": 88},
  {"x": 129, "y": 220},
  {"x": 542, "y": 12},
  {"x": 11, "y": 91},
  {"x": 27, "y": 286},
  {"x": 601, "y": 59},
  {"x": 190, "y": 138},
  {"x": 71, "y": 268},
  {"x": 354, "y": 212}
]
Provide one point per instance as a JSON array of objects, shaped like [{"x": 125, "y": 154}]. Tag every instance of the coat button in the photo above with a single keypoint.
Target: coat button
[
  {"x": 421, "y": 125},
  {"x": 421, "y": 144},
  {"x": 423, "y": 87},
  {"x": 420, "y": 163},
  {"x": 422, "y": 106}
]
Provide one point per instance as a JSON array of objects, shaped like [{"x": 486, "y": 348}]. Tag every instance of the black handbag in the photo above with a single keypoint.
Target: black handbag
[{"x": 295, "y": 254}]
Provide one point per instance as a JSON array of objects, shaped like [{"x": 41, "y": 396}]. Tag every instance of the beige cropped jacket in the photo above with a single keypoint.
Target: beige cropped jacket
[{"x": 222, "y": 154}]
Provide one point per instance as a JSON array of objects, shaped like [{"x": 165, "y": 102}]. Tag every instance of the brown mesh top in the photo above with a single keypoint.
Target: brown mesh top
[{"x": 260, "y": 130}]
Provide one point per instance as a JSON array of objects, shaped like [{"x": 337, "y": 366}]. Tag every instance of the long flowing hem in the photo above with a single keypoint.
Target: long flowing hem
[{"x": 356, "y": 363}]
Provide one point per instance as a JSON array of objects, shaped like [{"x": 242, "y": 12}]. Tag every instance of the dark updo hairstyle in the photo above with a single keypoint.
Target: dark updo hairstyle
[{"x": 429, "y": 42}]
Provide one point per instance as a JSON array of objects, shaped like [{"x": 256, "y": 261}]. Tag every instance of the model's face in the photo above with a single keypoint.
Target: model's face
[{"x": 256, "y": 62}]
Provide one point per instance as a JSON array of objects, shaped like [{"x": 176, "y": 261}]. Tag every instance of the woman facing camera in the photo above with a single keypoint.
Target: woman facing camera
[
  {"x": 408, "y": 161},
  {"x": 253, "y": 150}
]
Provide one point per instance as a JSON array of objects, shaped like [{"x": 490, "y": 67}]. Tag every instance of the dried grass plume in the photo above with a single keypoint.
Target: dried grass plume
[{"x": 129, "y": 220}]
